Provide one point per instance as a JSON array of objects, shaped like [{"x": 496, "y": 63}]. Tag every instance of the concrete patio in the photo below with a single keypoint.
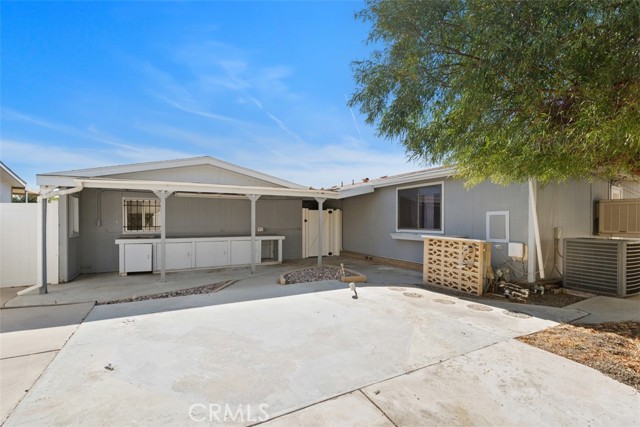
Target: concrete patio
[{"x": 305, "y": 354}]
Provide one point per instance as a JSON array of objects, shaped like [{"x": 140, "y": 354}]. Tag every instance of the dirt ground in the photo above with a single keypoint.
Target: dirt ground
[{"x": 612, "y": 348}]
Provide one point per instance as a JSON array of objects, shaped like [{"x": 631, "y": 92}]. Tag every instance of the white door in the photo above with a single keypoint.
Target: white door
[
  {"x": 212, "y": 254},
  {"x": 137, "y": 257},
  {"x": 178, "y": 255},
  {"x": 331, "y": 232},
  {"x": 241, "y": 252}
]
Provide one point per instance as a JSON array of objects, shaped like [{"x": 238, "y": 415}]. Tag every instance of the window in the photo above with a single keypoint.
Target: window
[
  {"x": 141, "y": 215},
  {"x": 420, "y": 208},
  {"x": 74, "y": 216}
]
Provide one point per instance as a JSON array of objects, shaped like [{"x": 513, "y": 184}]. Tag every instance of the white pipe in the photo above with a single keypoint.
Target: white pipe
[
  {"x": 536, "y": 228},
  {"x": 54, "y": 193}
]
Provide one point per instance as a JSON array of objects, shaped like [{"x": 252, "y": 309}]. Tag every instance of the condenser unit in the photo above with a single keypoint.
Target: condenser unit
[{"x": 602, "y": 266}]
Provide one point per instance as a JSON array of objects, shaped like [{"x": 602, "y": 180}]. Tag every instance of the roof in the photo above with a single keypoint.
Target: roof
[
  {"x": 107, "y": 178},
  {"x": 54, "y": 178},
  {"x": 13, "y": 178},
  {"x": 368, "y": 185}
]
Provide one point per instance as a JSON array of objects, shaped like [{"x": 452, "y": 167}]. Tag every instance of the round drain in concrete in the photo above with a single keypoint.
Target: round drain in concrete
[
  {"x": 444, "y": 301},
  {"x": 479, "y": 307},
  {"x": 516, "y": 314},
  {"x": 395, "y": 288},
  {"x": 412, "y": 294}
]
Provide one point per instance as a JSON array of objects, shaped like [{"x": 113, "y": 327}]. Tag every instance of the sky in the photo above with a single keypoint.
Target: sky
[{"x": 260, "y": 84}]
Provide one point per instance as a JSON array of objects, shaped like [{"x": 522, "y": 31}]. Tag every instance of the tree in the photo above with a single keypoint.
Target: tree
[{"x": 506, "y": 90}]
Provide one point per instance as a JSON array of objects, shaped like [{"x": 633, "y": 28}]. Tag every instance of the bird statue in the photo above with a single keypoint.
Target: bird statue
[{"x": 352, "y": 286}]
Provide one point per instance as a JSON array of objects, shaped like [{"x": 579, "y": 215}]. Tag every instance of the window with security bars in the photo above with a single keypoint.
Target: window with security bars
[{"x": 141, "y": 215}]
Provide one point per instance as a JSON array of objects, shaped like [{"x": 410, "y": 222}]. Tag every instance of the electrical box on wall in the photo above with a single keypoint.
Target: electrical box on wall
[{"x": 517, "y": 250}]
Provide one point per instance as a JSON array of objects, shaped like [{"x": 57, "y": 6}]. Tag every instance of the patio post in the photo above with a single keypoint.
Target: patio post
[
  {"x": 43, "y": 238},
  {"x": 253, "y": 198},
  {"x": 320, "y": 201},
  {"x": 162, "y": 195}
]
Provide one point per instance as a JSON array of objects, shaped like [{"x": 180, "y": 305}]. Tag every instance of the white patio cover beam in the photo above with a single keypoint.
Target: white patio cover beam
[{"x": 194, "y": 187}]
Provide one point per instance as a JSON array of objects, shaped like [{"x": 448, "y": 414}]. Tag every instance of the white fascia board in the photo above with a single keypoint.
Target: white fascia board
[
  {"x": 19, "y": 181},
  {"x": 355, "y": 191},
  {"x": 167, "y": 164},
  {"x": 193, "y": 187},
  {"x": 56, "y": 181},
  {"x": 424, "y": 176}
]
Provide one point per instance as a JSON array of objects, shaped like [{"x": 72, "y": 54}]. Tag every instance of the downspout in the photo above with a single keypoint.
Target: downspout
[{"x": 533, "y": 211}]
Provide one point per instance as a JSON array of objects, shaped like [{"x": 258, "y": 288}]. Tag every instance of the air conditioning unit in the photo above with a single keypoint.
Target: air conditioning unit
[
  {"x": 602, "y": 266},
  {"x": 619, "y": 218}
]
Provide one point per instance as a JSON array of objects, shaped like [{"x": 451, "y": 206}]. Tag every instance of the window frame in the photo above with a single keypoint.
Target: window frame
[
  {"x": 507, "y": 226},
  {"x": 125, "y": 221},
  {"x": 421, "y": 230},
  {"x": 73, "y": 215}
]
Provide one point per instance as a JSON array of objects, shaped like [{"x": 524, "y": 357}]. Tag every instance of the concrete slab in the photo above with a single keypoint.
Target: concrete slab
[
  {"x": 31, "y": 330},
  {"x": 509, "y": 383},
  {"x": 349, "y": 410},
  {"x": 287, "y": 353},
  {"x": 608, "y": 309},
  {"x": 9, "y": 293},
  {"x": 17, "y": 376}
]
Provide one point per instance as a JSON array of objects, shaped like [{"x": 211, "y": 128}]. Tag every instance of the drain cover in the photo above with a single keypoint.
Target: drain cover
[
  {"x": 444, "y": 301},
  {"x": 479, "y": 307},
  {"x": 412, "y": 295},
  {"x": 397, "y": 289},
  {"x": 516, "y": 314}
]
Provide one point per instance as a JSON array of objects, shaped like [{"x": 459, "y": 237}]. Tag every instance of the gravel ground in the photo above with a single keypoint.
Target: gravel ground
[
  {"x": 206, "y": 289},
  {"x": 314, "y": 274},
  {"x": 612, "y": 348}
]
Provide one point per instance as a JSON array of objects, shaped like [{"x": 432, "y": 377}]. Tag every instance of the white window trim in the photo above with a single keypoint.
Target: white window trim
[
  {"x": 422, "y": 231},
  {"x": 74, "y": 216},
  {"x": 506, "y": 226},
  {"x": 124, "y": 217}
]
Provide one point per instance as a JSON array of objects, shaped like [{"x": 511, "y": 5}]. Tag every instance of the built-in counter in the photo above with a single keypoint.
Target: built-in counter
[{"x": 138, "y": 254}]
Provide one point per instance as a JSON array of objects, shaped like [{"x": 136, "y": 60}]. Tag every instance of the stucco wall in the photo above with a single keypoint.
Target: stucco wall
[{"x": 185, "y": 217}]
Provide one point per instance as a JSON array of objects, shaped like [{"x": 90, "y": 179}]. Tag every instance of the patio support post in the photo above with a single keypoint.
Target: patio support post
[
  {"x": 43, "y": 249},
  {"x": 162, "y": 195},
  {"x": 320, "y": 201},
  {"x": 253, "y": 198}
]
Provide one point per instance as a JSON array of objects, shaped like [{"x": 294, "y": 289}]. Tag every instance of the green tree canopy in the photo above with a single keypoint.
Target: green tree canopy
[{"x": 507, "y": 90}]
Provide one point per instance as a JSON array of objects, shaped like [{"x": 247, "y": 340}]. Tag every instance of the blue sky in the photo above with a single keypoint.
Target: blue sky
[{"x": 259, "y": 84}]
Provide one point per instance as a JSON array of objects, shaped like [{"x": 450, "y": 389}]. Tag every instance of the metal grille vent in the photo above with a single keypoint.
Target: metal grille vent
[{"x": 602, "y": 266}]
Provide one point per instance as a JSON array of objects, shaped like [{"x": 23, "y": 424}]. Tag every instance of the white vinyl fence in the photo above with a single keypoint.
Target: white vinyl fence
[{"x": 20, "y": 232}]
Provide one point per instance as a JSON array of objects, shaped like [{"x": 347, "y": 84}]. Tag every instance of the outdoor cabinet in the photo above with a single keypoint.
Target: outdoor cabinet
[
  {"x": 137, "y": 257},
  {"x": 185, "y": 253}
]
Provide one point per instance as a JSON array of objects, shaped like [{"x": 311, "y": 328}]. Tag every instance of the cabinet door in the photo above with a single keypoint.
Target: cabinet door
[
  {"x": 178, "y": 255},
  {"x": 212, "y": 254},
  {"x": 137, "y": 257},
  {"x": 241, "y": 252}
]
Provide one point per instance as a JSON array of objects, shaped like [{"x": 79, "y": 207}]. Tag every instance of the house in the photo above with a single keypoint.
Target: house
[
  {"x": 12, "y": 186},
  {"x": 203, "y": 213},
  {"x": 191, "y": 213}
]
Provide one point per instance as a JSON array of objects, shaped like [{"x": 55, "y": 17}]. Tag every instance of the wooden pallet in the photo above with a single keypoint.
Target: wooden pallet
[{"x": 456, "y": 263}]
